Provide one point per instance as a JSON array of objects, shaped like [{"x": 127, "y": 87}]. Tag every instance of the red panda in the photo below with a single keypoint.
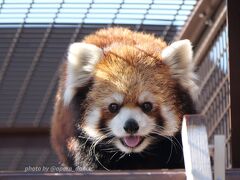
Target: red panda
[{"x": 120, "y": 101}]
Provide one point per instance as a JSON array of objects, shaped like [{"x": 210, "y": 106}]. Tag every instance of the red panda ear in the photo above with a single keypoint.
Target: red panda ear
[
  {"x": 82, "y": 58},
  {"x": 178, "y": 56}
]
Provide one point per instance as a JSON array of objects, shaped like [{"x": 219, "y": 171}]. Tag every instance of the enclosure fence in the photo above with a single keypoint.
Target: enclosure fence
[{"x": 36, "y": 33}]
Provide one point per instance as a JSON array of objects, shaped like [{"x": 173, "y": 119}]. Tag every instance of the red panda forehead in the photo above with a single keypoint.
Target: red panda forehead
[
  {"x": 130, "y": 99},
  {"x": 125, "y": 76},
  {"x": 133, "y": 55},
  {"x": 131, "y": 71},
  {"x": 104, "y": 93},
  {"x": 130, "y": 63}
]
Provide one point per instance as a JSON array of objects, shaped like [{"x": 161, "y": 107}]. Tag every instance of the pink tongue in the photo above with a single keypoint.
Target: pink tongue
[{"x": 132, "y": 141}]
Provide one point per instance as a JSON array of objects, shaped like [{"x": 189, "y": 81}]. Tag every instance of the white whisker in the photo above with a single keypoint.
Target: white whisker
[
  {"x": 113, "y": 155},
  {"x": 170, "y": 153}
]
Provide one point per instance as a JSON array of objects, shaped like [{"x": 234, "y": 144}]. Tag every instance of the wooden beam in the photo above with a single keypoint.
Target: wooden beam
[
  {"x": 97, "y": 175},
  {"x": 231, "y": 174},
  {"x": 202, "y": 47},
  {"x": 233, "y": 13},
  {"x": 22, "y": 141},
  {"x": 24, "y": 131},
  {"x": 195, "y": 148},
  {"x": 199, "y": 20}
]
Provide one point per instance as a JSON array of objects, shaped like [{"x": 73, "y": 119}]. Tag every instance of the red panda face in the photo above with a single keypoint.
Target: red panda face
[
  {"x": 132, "y": 100},
  {"x": 132, "y": 124},
  {"x": 137, "y": 95}
]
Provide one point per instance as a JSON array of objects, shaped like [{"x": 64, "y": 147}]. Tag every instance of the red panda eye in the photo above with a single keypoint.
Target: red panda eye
[
  {"x": 113, "y": 107},
  {"x": 146, "y": 106}
]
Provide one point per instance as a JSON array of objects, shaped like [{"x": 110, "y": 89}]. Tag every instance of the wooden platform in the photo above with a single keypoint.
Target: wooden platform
[
  {"x": 99, "y": 175},
  {"x": 233, "y": 174}
]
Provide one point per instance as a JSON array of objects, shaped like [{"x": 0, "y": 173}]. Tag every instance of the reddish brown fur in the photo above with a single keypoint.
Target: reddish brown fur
[
  {"x": 62, "y": 124},
  {"x": 138, "y": 54}
]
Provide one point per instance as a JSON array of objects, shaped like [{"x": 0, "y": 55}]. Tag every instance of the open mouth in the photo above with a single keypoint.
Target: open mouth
[{"x": 132, "y": 141}]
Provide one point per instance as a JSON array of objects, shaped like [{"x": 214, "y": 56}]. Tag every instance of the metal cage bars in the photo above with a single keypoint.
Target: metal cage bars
[
  {"x": 214, "y": 96},
  {"x": 217, "y": 56}
]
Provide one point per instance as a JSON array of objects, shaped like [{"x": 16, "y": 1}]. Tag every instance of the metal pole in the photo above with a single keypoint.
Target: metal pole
[{"x": 233, "y": 13}]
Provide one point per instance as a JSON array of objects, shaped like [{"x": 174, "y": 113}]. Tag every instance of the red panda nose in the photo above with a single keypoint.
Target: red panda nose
[{"x": 131, "y": 126}]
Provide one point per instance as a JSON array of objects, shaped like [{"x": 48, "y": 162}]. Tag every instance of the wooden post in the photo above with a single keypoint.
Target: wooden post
[
  {"x": 195, "y": 148},
  {"x": 219, "y": 157}
]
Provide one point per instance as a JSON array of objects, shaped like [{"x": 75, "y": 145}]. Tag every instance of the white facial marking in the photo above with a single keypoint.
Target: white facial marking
[
  {"x": 146, "y": 125},
  {"x": 171, "y": 121},
  {"x": 115, "y": 98},
  {"x": 92, "y": 119},
  {"x": 146, "y": 96},
  {"x": 118, "y": 97}
]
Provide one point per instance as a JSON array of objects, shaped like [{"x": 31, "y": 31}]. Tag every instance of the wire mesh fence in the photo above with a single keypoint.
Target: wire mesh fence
[{"x": 214, "y": 96}]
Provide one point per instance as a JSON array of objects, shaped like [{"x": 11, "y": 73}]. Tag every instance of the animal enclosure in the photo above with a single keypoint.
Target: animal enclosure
[{"x": 35, "y": 36}]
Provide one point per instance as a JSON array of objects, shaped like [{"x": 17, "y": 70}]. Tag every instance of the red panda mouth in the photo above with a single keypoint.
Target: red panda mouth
[{"x": 132, "y": 141}]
